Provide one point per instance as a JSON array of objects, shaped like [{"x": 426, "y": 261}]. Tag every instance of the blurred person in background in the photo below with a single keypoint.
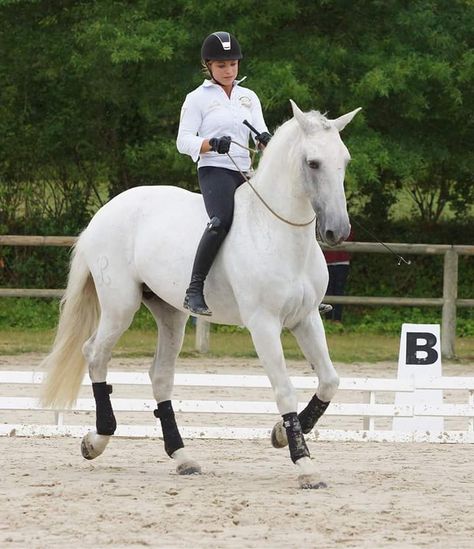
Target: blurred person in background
[{"x": 338, "y": 262}]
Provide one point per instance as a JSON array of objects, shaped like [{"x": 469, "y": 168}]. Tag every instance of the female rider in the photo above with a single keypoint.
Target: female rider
[{"x": 211, "y": 118}]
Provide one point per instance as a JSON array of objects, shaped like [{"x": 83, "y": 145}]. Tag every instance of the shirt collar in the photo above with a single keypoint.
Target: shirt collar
[{"x": 208, "y": 83}]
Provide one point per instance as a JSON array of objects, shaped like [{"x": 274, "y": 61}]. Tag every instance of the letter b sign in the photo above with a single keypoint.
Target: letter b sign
[
  {"x": 419, "y": 360},
  {"x": 420, "y": 348}
]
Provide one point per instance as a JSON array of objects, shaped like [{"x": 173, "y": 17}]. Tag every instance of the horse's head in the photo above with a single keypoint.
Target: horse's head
[{"x": 322, "y": 158}]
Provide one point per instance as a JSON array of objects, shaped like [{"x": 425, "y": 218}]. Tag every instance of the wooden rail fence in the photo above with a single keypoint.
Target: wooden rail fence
[{"x": 448, "y": 302}]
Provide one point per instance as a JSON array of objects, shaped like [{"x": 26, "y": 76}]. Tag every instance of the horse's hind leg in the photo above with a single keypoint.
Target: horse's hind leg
[
  {"x": 116, "y": 317},
  {"x": 171, "y": 324}
]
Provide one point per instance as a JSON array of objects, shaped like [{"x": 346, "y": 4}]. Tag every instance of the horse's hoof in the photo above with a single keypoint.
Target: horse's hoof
[
  {"x": 279, "y": 438},
  {"x": 185, "y": 465},
  {"x": 188, "y": 468},
  {"x": 308, "y": 482},
  {"x": 93, "y": 445},
  {"x": 86, "y": 450}
]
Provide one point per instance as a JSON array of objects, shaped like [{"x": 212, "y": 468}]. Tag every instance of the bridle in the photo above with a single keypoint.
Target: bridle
[{"x": 260, "y": 197}]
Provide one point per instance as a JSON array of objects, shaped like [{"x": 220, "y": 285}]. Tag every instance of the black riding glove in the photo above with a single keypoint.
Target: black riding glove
[
  {"x": 220, "y": 145},
  {"x": 263, "y": 138}
]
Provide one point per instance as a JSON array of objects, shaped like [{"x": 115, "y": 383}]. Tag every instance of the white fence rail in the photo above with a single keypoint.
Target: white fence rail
[{"x": 368, "y": 410}]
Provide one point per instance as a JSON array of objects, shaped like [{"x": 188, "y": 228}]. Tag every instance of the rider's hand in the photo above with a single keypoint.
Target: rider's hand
[
  {"x": 220, "y": 145},
  {"x": 263, "y": 138}
]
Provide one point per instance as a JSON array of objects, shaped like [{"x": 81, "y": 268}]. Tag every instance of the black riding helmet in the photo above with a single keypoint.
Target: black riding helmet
[{"x": 220, "y": 46}]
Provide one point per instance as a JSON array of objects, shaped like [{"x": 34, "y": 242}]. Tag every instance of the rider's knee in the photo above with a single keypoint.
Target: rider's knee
[{"x": 218, "y": 226}]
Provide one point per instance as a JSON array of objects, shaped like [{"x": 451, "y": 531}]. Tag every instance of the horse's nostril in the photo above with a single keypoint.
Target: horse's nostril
[{"x": 330, "y": 239}]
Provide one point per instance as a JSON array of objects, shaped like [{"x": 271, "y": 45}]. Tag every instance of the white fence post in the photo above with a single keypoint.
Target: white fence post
[
  {"x": 203, "y": 328},
  {"x": 471, "y": 420},
  {"x": 368, "y": 421}
]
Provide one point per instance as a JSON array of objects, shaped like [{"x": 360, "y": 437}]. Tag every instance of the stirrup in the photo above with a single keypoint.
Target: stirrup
[
  {"x": 196, "y": 304},
  {"x": 324, "y": 308}
]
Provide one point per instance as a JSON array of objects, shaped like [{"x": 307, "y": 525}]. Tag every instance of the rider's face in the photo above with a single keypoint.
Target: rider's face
[{"x": 224, "y": 72}]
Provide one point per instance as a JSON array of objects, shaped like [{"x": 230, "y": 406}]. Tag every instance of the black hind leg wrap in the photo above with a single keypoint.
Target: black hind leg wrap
[
  {"x": 105, "y": 419},
  {"x": 310, "y": 415},
  {"x": 296, "y": 441},
  {"x": 171, "y": 436}
]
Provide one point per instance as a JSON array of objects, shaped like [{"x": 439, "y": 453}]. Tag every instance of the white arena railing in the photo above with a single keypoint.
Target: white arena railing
[{"x": 368, "y": 411}]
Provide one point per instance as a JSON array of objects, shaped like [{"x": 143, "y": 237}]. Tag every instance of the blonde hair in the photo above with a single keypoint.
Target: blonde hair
[{"x": 205, "y": 69}]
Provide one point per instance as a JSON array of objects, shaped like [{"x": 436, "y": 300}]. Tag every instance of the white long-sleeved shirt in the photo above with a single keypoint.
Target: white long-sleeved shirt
[{"x": 208, "y": 112}]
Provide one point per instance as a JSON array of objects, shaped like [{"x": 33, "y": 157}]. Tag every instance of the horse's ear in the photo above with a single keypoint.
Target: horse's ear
[
  {"x": 299, "y": 115},
  {"x": 341, "y": 122}
]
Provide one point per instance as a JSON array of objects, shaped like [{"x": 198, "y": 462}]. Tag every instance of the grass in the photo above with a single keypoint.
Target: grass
[{"x": 344, "y": 347}]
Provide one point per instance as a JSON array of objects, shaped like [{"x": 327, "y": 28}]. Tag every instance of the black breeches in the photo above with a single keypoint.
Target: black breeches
[{"x": 218, "y": 186}]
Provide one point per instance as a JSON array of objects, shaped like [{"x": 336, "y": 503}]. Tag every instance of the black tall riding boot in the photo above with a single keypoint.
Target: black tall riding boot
[
  {"x": 207, "y": 250},
  {"x": 194, "y": 298}
]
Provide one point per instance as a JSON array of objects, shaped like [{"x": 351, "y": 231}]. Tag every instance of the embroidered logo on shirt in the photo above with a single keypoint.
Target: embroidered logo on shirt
[{"x": 245, "y": 101}]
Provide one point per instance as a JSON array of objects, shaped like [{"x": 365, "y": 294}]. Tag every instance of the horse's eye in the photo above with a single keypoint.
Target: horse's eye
[{"x": 313, "y": 164}]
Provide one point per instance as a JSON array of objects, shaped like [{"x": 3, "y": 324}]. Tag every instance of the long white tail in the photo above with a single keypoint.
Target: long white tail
[{"x": 78, "y": 320}]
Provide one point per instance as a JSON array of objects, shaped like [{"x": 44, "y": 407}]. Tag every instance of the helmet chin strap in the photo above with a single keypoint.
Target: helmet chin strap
[{"x": 216, "y": 81}]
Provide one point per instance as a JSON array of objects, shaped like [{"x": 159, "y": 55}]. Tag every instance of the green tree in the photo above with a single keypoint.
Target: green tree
[{"x": 91, "y": 93}]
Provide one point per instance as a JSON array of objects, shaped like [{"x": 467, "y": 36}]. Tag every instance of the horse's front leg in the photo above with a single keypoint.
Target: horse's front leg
[
  {"x": 311, "y": 338},
  {"x": 266, "y": 331}
]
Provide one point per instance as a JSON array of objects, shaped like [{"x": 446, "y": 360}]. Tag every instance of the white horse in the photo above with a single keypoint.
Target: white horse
[{"x": 270, "y": 274}]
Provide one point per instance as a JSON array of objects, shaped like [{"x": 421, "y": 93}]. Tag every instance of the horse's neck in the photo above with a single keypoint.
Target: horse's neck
[
  {"x": 276, "y": 181},
  {"x": 270, "y": 233}
]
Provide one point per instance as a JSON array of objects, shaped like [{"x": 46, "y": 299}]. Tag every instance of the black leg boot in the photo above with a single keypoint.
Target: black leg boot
[
  {"x": 324, "y": 308},
  {"x": 194, "y": 298},
  {"x": 207, "y": 250}
]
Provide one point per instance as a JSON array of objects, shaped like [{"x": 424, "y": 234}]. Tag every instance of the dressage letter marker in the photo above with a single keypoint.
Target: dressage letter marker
[
  {"x": 420, "y": 348},
  {"x": 419, "y": 360}
]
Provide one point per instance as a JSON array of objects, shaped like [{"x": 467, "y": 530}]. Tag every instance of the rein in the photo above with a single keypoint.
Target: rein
[{"x": 269, "y": 208}]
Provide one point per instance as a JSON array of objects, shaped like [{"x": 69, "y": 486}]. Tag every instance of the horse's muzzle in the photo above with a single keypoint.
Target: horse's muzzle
[
  {"x": 333, "y": 226},
  {"x": 332, "y": 238}
]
